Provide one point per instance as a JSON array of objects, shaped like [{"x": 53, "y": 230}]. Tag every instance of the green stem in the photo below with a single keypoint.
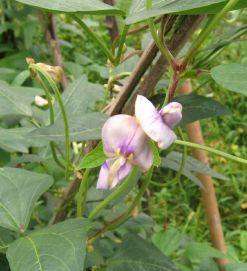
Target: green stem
[
  {"x": 121, "y": 190},
  {"x": 52, "y": 119},
  {"x": 184, "y": 155},
  {"x": 82, "y": 194},
  {"x": 162, "y": 47},
  {"x": 121, "y": 44},
  {"x": 56, "y": 91},
  {"x": 94, "y": 37},
  {"x": 206, "y": 31},
  {"x": 208, "y": 149},
  {"x": 122, "y": 218}
]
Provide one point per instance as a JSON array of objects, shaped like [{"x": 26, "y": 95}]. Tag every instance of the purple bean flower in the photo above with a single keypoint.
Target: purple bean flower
[
  {"x": 156, "y": 124},
  {"x": 126, "y": 145}
]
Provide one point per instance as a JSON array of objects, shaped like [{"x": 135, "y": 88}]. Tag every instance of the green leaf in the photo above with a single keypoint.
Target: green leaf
[
  {"x": 140, "y": 255},
  {"x": 169, "y": 163},
  {"x": 21, "y": 78},
  {"x": 194, "y": 165},
  {"x": 7, "y": 74},
  {"x": 82, "y": 128},
  {"x": 6, "y": 237},
  {"x": 11, "y": 103},
  {"x": 196, "y": 252},
  {"x": 72, "y": 6},
  {"x": 139, "y": 12},
  {"x": 17, "y": 140},
  {"x": 80, "y": 97},
  {"x": 197, "y": 107},
  {"x": 61, "y": 247},
  {"x": 168, "y": 241},
  {"x": 236, "y": 267},
  {"x": 232, "y": 77},
  {"x": 94, "y": 158},
  {"x": 19, "y": 190}
]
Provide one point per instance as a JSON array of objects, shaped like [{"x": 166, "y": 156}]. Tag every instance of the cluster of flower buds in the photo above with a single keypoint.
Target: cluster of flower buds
[{"x": 125, "y": 139}]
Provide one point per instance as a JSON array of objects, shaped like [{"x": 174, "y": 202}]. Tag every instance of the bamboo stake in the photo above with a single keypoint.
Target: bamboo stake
[{"x": 209, "y": 199}]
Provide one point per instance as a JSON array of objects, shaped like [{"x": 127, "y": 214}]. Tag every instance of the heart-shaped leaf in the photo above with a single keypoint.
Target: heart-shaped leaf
[
  {"x": 140, "y": 255},
  {"x": 11, "y": 103},
  {"x": 231, "y": 76},
  {"x": 82, "y": 127},
  {"x": 197, "y": 107},
  {"x": 61, "y": 247},
  {"x": 19, "y": 190},
  {"x": 16, "y": 140},
  {"x": 72, "y": 6}
]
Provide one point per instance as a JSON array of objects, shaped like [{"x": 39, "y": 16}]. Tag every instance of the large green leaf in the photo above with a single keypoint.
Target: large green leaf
[
  {"x": 82, "y": 127},
  {"x": 231, "y": 76},
  {"x": 197, "y": 107},
  {"x": 139, "y": 12},
  {"x": 140, "y": 255},
  {"x": 6, "y": 237},
  {"x": 17, "y": 140},
  {"x": 80, "y": 97},
  {"x": 72, "y": 6},
  {"x": 19, "y": 190},
  {"x": 11, "y": 103},
  {"x": 61, "y": 247}
]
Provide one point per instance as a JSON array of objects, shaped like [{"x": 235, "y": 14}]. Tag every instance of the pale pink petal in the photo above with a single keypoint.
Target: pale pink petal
[
  {"x": 172, "y": 114},
  {"x": 122, "y": 133},
  {"x": 103, "y": 177},
  {"x": 152, "y": 123},
  {"x": 121, "y": 172},
  {"x": 144, "y": 159}
]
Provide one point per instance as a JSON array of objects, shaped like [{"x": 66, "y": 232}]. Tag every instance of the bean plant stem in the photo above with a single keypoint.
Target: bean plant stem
[
  {"x": 121, "y": 190},
  {"x": 82, "y": 194},
  {"x": 56, "y": 91},
  {"x": 94, "y": 37},
  {"x": 123, "y": 217},
  {"x": 162, "y": 47},
  {"x": 52, "y": 119},
  {"x": 206, "y": 31},
  {"x": 208, "y": 149}
]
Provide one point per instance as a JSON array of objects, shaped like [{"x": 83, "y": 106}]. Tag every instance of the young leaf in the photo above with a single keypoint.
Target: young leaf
[
  {"x": 232, "y": 77},
  {"x": 140, "y": 255},
  {"x": 19, "y": 190},
  {"x": 194, "y": 165},
  {"x": 61, "y": 247},
  {"x": 94, "y": 158},
  {"x": 139, "y": 12},
  {"x": 72, "y": 6}
]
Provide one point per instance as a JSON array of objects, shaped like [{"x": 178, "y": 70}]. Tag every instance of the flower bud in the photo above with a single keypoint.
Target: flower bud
[{"x": 39, "y": 101}]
